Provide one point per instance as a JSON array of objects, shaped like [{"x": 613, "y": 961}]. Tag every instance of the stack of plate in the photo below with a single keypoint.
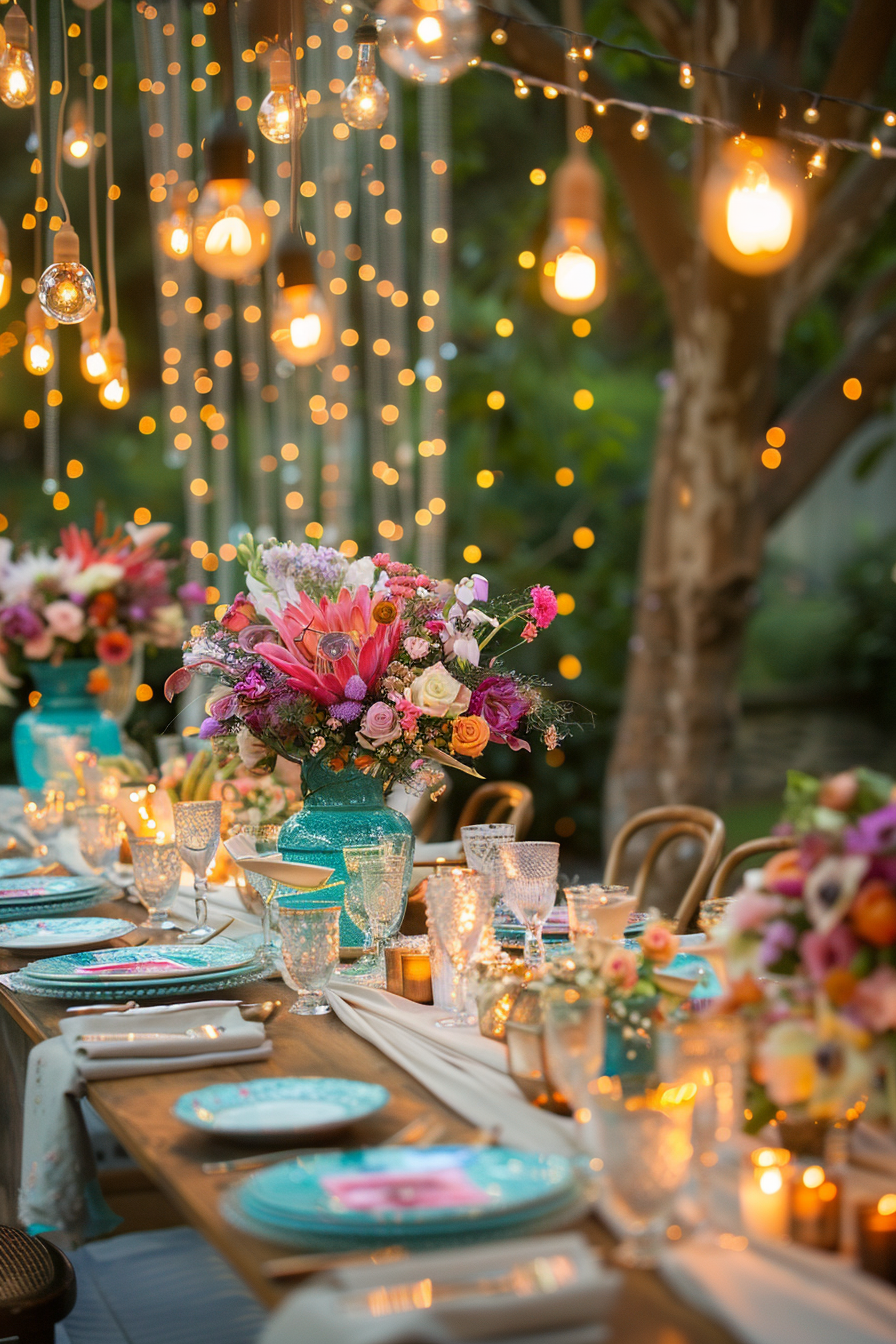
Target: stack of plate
[
  {"x": 508, "y": 929},
  {"x": 427, "y": 1196},
  {"x": 35, "y": 897},
  {"x": 52, "y": 936},
  {"x": 154, "y": 972},
  {"x": 279, "y": 1108}
]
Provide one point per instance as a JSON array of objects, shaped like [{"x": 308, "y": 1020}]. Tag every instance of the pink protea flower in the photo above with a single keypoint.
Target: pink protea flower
[{"x": 544, "y": 606}]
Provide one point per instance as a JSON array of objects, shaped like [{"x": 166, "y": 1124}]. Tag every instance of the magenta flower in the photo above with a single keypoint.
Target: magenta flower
[
  {"x": 824, "y": 952},
  {"x": 499, "y": 702},
  {"x": 874, "y": 833},
  {"x": 191, "y": 592},
  {"x": 21, "y": 623},
  {"x": 355, "y": 688},
  {"x": 544, "y": 607}
]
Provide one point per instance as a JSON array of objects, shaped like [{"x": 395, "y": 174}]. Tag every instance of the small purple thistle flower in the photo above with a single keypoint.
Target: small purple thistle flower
[
  {"x": 356, "y": 688},
  {"x": 346, "y": 711}
]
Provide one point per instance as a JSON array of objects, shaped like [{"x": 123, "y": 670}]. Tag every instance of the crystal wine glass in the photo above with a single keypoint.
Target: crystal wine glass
[
  {"x": 44, "y": 813},
  {"x": 530, "y": 888},
  {"x": 157, "y": 872},
  {"x": 575, "y": 1028},
  {"x": 197, "y": 831},
  {"x": 100, "y": 829},
  {"x": 310, "y": 953},
  {"x": 458, "y": 904},
  {"x": 482, "y": 848},
  {"x": 354, "y": 856},
  {"x": 266, "y": 839},
  {"x": 382, "y": 894},
  {"x": 596, "y": 911}
]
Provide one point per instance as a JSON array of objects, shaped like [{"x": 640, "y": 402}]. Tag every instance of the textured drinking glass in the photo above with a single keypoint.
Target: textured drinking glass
[
  {"x": 254, "y": 884},
  {"x": 575, "y": 1029},
  {"x": 596, "y": 911},
  {"x": 646, "y": 1151},
  {"x": 44, "y": 812},
  {"x": 354, "y": 857},
  {"x": 482, "y": 847},
  {"x": 530, "y": 889},
  {"x": 381, "y": 878},
  {"x": 157, "y": 873},
  {"x": 100, "y": 830},
  {"x": 310, "y": 954},
  {"x": 458, "y": 904},
  {"x": 197, "y": 831},
  {"x": 711, "y": 1053}
]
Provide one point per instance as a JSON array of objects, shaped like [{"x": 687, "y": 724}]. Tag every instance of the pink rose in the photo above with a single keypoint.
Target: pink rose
[
  {"x": 39, "y": 647},
  {"x": 658, "y": 942},
  {"x": 380, "y": 725},
  {"x": 752, "y": 909},
  {"x": 874, "y": 1000},
  {"x": 65, "y": 619},
  {"x": 416, "y": 647},
  {"x": 620, "y": 967}
]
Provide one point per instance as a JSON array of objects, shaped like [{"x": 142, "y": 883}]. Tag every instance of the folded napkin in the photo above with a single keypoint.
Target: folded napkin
[
  {"x": 463, "y": 1069},
  {"x": 545, "y": 1290},
  {"x": 59, "y": 1190},
  {"x": 780, "y": 1294}
]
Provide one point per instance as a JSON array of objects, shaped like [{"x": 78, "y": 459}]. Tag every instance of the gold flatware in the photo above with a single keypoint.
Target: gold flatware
[
  {"x": 260, "y": 1012},
  {"x": 214, "y": 933},
  {"x": 88, "y": 1009},
  {"x": 299, "y": 1266},
  {"x": 419, "y": 1131}
]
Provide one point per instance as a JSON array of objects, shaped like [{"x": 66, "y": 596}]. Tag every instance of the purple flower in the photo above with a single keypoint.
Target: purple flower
[
  {"x": 346, "y": 711},
  {"x": 779, "y": 937},
  {"x": 499, "y": 701},
  {"x": 211, "y": 728},
  {"x": 355, "y": 688},
  {"x": 21, "y": 623},
  {"x": 253, "y": 686},
  {"x": 223, "y": 708},
  {"x": 480, "y": 588},
  {"x": 874, "y": 833},
  {"x": 824, "y": 952},
  {"x": 191, "y": 592}
]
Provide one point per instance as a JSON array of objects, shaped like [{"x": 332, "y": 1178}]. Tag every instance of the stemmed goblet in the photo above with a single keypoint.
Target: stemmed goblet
[
  {"x": 266, "y": 838},
  {"x": 458, "y": 904},
  {"x": 381, "y": 878},
  {"x": 197, "y": 831},
  {"x": 596, "y": 911},
  {"x": 530, "y": 889},
  {"x": 157, "y": 870},
  {"x": 482, "y": 848},
  {"x": 353, "y": 857}
]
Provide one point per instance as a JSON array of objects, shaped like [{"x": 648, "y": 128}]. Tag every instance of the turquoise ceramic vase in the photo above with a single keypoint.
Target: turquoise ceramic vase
[
  {"x": 340, "y": 809},
  {"x": 631, "y": 1043},
  {"x": 66, "y": 709}
]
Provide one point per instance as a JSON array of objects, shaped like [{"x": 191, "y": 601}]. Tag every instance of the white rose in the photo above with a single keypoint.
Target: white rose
[
  {"x": 439, "y": 694},
  {"x": 359, "y": 574},
  {"x": 96, "y": 578}
]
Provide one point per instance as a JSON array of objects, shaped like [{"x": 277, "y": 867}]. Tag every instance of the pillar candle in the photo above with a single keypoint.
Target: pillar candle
[
  {"x": 815, "y": 1209},
  {"x": 764, "y": 1194},
  {"x": 877, "y": 1238}
]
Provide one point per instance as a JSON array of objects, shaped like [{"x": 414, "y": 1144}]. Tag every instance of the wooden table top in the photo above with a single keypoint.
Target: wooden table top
[{"x": 138, "y": 1112}]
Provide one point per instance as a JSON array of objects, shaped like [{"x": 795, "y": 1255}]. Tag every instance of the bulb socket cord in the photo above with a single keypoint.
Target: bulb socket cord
[
  {"x": 77, "y": 117},
  {"x": 366, "y": 34},
  {"x": 15, "y": 24},
  {"x": 295, "y": 263},
  {"x": 227, "y": 150},
  {"x": 115, "y": 351},
  {"x": 576, "y": 191},
  {"x": 34, "y": 316},
  {"x": 66, "y": 245},
  {"x": 92, "y": 326},
  {"x": 281, "y": 71}
]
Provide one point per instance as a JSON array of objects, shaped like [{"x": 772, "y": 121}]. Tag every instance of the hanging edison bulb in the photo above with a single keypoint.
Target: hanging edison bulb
[
  {"x": 283, "y": 113},
  {"x": 429, "y": 41},
  {"x": 753, "y": 209},
  {"x": 17, "y": 78},
  {"x": 176, "y": 232},
  {"x": 38, "y": 353},
  {"x": 94, "y": 365},
  {"x": 365, "y": 103},
  {"x": 5, "y": 267},
  {"x": 115, "y": 390},
  {"x": 573, "y": 274},
  {"x": 77, "y": 146},
  {"x": 66, "y": 289},
  {"x": 302, "y": 328},
  {"x": 231, "y": 232}
]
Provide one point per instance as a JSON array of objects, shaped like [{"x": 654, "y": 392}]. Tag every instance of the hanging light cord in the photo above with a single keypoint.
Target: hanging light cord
[
  {"x": 110, "y": 178},
  {"x": 39, "y": 136},
  {"x": 295, "y": 225},
  {"x": 91, "y": 165},
  {"x": 60, "y": 125}
]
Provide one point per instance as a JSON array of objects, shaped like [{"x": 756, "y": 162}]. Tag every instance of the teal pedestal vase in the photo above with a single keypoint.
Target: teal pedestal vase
[
  {"x": 65, "y": 709},
  {"x": 340, "y": 809}
]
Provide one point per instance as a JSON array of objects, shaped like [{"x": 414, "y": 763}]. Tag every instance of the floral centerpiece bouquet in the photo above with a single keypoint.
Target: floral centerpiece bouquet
[
  {"x": 811, "y": 951},
  {"x": 94, "y": 597},
  {"x": 368, "y": 662}
]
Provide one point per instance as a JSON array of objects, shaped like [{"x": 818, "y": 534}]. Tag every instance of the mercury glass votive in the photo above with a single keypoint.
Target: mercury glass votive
[
  {"x": 197, "y": 832},
  {"x": 310, "y": 954},
  {"x": 458, "y": 904},
  {"x": 157, "y": 873}
]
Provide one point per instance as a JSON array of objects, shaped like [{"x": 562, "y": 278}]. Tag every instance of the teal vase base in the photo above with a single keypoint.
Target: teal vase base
[
  {"x": 66, "y": 709},
  {"x": 340, "y": 810}
]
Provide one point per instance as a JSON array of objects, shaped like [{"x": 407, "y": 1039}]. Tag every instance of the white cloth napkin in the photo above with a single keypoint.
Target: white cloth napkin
[
  {"x": 780, "y": 1294},
  {"x": 334, "y": 1307},
  {"x": 463, "y": 1069},
  {"x": 59, "y": 1190}
]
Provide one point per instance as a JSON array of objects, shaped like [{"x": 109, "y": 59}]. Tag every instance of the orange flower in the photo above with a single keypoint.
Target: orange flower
[
  {"x": 98, "y": 681},
  {"x": 839, "y": 985},
  {"x": 115, "y": 647},
  {"x": 873, "y": 913},
  {"x": 102, "y": 609},
  {"x": 469, "y": 735},
  {"x": 385, "y": 612},
  {"x": 364, "y": 762}
]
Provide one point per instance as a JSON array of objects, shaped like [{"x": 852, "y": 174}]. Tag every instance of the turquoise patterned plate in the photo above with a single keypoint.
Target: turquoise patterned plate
[
  {"x": 36, "y": 935},
  {"x": 22, "y": 890},
  {"x": 275, "y": 1107},
  {"x": 405, "y": 1187},
  {"x": 154, "y": 963},
  {"x": 16, "y": 867},
  {"x": 44, "y": 909},
  {"x": 140, "y": 989}
]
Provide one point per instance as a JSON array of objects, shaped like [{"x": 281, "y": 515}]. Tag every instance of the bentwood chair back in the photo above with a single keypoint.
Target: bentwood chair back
[
  {"x": 677, "y": 821},
  {"x": 37, "y": 1287},
  {"x": 499, "y": 801},
  {"x": 767, "y": 844}
]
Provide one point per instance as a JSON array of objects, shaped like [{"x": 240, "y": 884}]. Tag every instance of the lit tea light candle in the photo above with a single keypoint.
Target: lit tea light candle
[
  {"x": 815, "y": 1210},
  {"x": 416, "y": 974},
  {"x": 764, "y": 1194},
  {"x": 877, "y": 1238}
]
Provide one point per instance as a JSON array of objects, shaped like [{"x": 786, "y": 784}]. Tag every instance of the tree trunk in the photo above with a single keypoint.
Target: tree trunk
[{"x": 701, "y": 555}]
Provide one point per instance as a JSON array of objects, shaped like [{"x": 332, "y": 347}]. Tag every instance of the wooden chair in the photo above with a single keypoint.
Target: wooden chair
[
  {"x": 766, "y": 845},
  {"x": 497, "y": 801},
  {"x": 37, "y": 1287},
  {"x": 421, "y": 811},
  {"x": 677, "y": 821}
]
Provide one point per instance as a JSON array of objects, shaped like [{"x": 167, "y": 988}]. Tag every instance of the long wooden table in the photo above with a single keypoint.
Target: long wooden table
[{"x": 138, "y": 1112}]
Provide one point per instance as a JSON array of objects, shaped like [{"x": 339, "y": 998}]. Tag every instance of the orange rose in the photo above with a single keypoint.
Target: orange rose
[
  {"x": 98, "y": 681},
  {"x": 102, "y": 609},
  {"x": 469, "y": 735}
]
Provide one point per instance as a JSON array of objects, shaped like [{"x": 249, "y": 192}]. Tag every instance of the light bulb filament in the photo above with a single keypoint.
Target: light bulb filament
[
  {"x": 429, "y": 30},
  {"x": 759, "y": 218},
  {"x": 305, "y": 331},
  {"x": 576, "y": 274},
  {"x": 229, "y": 233}
]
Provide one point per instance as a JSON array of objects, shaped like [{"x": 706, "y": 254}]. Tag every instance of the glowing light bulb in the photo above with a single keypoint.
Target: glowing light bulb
[
  {"x": 77, "y": 146},
  {"x": 176, "y": 232},
  {"x": 429, "y": 41},
  {"x": 115, "y": 390},
  {"x": 66, "y": 289},
  {"x": 302, "y": 328},
  {"x": 283, "y": 113},
  {"x": 753, "y": 210},
  {"x": 573, "y": 272},
  {"x": 94, "y": 366},
  {"x": 231, "y": 232},
  {"x": 365, "y": 103},
  {"x": 38, "y": 352},
  {"x": 17, "y": 78},
  {"x": 5, "y": 267}
]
